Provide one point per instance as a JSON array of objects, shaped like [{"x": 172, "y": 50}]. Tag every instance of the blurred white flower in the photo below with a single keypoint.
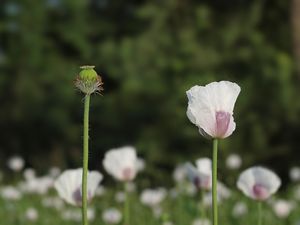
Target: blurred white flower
[
  {"x": 222, "y": 194},
  {"x": 239, "y": 209},
  {"x": 295, "y": 174},
  {"x": 210, "y": 108},
  {"x": 204, "y": 165},
  {"x": 140, "y": 164},
  {"x": 157, "y": 211},
  {"x": 68, "y": 185},
  {"x": 190, "y": 189},
  {"x": 233, "y": 161},
  {"x": 201, "y": 222},
  {"x": 153, "y": 197},
  {"x": 120, "y": 196},
  {"x": 179, "y": 173},
  {"x": 130, "y": 187},
  {"x": 11, "y": 193},
  {"x": 100, "y": 190},
  {"x": 201, "y": 176},
  {"x": 111, "y": 216},
  {"x": 223, "y": 191},
  {"x": 168, "y": 223},
  {"x": 121, "y": 163},
  {"x": 258, "y": 183},
  {"x": 54, "y": 172},
  {"x": 31, "y": 214},
  {"x": 282, "y": 208},
  {"x": 37, "y": 185},
  {"x": 75, "y": 214},
  {"x": 16, "y": 163},
  {"x": 53, "y": 202},
  {"x": 71, "y": 215},
  {"x": 91, "y": 214},
  {"x": 29, "y": 174},
  {"x": 207, "y": 199}
]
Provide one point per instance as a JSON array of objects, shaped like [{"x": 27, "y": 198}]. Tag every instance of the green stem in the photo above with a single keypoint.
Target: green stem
[
  {"x": 85, "y": 158},
  {"x": 214, "y": 182},
  {"x": 126, "y": 205},
  {"x": 259, "y": 210}
]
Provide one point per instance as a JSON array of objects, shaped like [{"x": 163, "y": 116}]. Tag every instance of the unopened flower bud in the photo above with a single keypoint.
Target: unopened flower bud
[{"x": 88, "y": 81}]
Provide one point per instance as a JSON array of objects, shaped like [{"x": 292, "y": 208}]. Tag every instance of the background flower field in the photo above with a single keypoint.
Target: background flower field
[
  {"x": 148, "y": 53},
  {"x": 26, "y": 203}
]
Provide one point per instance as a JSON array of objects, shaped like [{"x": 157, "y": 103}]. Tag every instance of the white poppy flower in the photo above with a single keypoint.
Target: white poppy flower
[
  {"x": 31, "y": 214},
  {"x": 295, "y": 174},
  {"x": 258, "y": 183},
  {"x": 222, "y": 193},
  {"x": 54, "y": 172},
  {"x": 11, "y": 193},
  {"x": 75, "y": 214},
  {"x": 179, "y": 173},
  {"x": 201, "y": 222},
  {"x": 140, "y": 164},
  {"x": 111, "y": 216},
  {"x": 37, "y": 185},
  {"x": 68, "y": 185},
  {"x": 120, "y": 196},
  {"x": 16, "y": 163},
  {"x": 239, "y": 209},
  {"x": 53, "y": 202},
  {"x": 100, "y": 191},
  {"x": 29, "y": 174},
  {"x": 168, "y": 223},
  {"x": 201, "y": 176},
  {"x": 153, "y": 197},
  {"x": 190, "y": 190},
  {"x": 282, "y": 208},
  {"x": 157, "y": 212},
  {"x": 121, "y": 163},
  {"x": 210, "y": 108},
  {"x": 233, "y": 161}
]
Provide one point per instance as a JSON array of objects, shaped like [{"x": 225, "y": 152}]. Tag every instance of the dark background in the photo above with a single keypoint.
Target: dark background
[{"x": 148, "y": 54}]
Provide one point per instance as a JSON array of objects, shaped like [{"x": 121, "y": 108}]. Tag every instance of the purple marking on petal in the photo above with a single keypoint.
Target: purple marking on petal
[
  {"x": 222, "y": 123},
  {"x": 197, "y": 182},
  {"x": 202, "y": 183},
  {"x": 127, "y": 174},
  {"x": 77, "y": 196},
  {"x": 260, "y": 192}
]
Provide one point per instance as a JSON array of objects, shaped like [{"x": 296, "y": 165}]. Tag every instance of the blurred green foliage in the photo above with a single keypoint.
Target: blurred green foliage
[{"x": 148, "y": 54}]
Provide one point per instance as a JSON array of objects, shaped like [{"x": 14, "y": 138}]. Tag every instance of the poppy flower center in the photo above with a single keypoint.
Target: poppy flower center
[
  {"x": 201, "y": 183},
  {"x": 260, "y": 192},
  {"x": 222, "y": 123},
  {"x": 127, "y": 174},
  {"x": 77, "y": 196}
]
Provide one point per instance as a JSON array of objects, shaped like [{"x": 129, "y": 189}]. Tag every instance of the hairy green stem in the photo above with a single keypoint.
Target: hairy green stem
[
  {"x": 126, "y": 206},
  {"x": 214, "y": 182},
  {"x": 85, "y": 158},
  {"x": 259, "y": 211}
]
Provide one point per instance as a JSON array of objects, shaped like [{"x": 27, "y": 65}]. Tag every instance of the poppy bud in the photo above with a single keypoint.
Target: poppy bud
[{"x": 88, "y": 81}]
